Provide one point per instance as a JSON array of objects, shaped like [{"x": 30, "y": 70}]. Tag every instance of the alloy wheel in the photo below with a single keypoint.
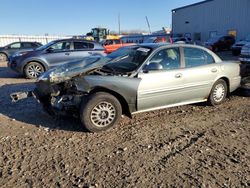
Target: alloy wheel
[{"x": 103, "y": 114}]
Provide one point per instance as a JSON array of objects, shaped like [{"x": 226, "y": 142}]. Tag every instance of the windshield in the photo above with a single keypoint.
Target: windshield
[
  {"x": 129, "y": 62},
  {"x": 46, "y": 45},
  {"x": 121, "y": 52}
]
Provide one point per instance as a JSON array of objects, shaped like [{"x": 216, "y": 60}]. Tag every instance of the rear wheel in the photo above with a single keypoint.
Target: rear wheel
[
  {"x": 3, "y": 57},
  {"x": 218, "y": 93},
  {"x": 100, "y": 111},
  {"x": 33, "y": 70}
]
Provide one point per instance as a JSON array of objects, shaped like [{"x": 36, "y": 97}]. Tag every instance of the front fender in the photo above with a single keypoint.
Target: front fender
[
  {"x": 124, "y": 86},
  {"x": 26, "y": 61}
]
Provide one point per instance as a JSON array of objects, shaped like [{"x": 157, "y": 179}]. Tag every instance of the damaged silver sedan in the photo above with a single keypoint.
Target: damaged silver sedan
[{"x": 151, "y": 76}]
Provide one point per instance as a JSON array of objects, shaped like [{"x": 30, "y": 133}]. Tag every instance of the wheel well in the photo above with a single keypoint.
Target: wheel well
[
  {"x": 36, "y": 62},
  {"x": 121, "y": 99},
  {"x": 4, "y": 54},
  {"x": 228, "y": 84}
]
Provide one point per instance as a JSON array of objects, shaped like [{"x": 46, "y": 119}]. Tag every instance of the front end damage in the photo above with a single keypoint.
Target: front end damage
[
  {"x": 56, "y": 89},
  {"x": 59, "y": 99},
  {"x": 56, "y": 99},
  {"x": 61, "y": 91}
]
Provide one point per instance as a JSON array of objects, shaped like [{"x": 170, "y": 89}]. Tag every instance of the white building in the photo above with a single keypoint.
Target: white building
[{"x": 205, "y": 19}]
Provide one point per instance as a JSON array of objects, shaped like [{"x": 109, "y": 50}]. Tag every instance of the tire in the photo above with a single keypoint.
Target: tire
[
  {"x": 3, "y": 57},
  {"x": 100, "y": 111},
  {"x": 33, "y": 70},
  {"x": 218, "y": 93}
]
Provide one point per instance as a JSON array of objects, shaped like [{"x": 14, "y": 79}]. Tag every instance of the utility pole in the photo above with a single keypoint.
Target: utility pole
[
  {"x": 119, "y": 24},
  {"x": 148, "y": 25}
]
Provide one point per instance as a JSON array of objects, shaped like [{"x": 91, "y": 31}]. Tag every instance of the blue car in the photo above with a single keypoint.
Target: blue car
[{"x": 32, "y": 63}]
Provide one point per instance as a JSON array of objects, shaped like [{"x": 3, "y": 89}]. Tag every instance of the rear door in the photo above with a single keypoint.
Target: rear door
[
  {"x": 199, "y": 74},
  {"x": 82, "y": 49}
]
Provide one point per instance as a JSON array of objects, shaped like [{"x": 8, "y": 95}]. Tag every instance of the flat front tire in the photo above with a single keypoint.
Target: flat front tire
[
  {"x": 100, "y": 111},
  {"x": 218, "y": 93},
  {"x": 33, "y": 70}
]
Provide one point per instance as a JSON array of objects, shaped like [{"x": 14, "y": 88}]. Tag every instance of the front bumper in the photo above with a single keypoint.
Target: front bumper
[{"x": 57, "y": 99}]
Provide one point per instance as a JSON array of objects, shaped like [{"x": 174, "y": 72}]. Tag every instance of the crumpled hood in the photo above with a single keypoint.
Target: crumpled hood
[{"x": 72, "y": 69}]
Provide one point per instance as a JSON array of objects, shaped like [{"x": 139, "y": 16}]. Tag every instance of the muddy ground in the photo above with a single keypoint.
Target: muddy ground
[{"x": 188, "y": 146}]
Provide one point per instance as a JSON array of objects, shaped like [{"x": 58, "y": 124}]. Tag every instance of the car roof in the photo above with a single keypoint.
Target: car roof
[
  {"x": 157, "y": 45},
  {"x": 73, "y": 39}
]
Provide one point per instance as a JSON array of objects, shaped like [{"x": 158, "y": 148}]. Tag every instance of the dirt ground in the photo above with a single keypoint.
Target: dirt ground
[{"x": 188, "y": 146}]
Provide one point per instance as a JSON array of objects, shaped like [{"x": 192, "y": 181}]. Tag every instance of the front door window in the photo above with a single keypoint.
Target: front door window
[{"x": 168, "y": 58}]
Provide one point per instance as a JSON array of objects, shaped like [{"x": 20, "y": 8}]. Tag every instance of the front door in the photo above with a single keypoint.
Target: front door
[
  {"x": 161, "y": 87},
  {"x": 58, "y": 53}
]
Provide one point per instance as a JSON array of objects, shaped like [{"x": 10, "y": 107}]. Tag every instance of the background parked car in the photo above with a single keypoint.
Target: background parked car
[
  {"x": 236, "y": 48},
  {"x": 184, "y": 40},
  {"x": 219, "y": 43},
  {"x": 113, "y": 44},
  {"x": 10, "y": 49},
  {"x": 55, "y": 53},
  {"x": 245, "y": 54},
  {"x": 158, "y": 39},
  {"x": 245, "y": 60}
]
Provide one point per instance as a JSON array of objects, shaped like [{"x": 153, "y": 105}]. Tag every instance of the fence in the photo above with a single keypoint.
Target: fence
[{"x": 7, "y": 39}]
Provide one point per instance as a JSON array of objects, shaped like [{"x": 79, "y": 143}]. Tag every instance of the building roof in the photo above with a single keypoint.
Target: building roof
[{"x": 195, "y": 4}]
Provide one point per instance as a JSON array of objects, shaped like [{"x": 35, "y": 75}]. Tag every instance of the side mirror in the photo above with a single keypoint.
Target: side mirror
[
  {"x": 153, "y": 66},
  {"x": 49, "y": 50}
]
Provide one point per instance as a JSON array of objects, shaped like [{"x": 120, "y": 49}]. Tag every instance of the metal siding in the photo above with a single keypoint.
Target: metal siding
[{"x": 217, "y": 15}]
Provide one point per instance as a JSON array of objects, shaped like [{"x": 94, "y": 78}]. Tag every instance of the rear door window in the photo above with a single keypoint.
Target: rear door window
[
  {"x": 83, "y": 45},
  {"x": 27, "y": 45},
  {"x": 195, "y": 57},
  {"x": 35, "y": 45}
]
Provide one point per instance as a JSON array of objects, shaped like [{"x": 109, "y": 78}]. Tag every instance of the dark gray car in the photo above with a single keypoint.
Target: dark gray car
[
  {"x": 55, "y": 53},
  {"x": 10, "y": 49}
]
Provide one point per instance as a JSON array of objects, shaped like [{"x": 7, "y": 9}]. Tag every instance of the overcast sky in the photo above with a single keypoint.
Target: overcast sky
[{"x": 72, "y": 17}]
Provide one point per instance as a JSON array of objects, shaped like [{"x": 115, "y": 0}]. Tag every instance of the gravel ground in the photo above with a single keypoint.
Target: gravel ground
[{"x": 188, "y": 146}]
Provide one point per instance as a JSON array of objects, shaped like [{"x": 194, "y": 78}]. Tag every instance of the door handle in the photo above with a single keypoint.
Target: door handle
[
  {"x": 67, "y": 53},
  {"x": 214, "y": 70},
  {"x": 90, "y": 52},
  {"x": 179, "y": 75}
]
